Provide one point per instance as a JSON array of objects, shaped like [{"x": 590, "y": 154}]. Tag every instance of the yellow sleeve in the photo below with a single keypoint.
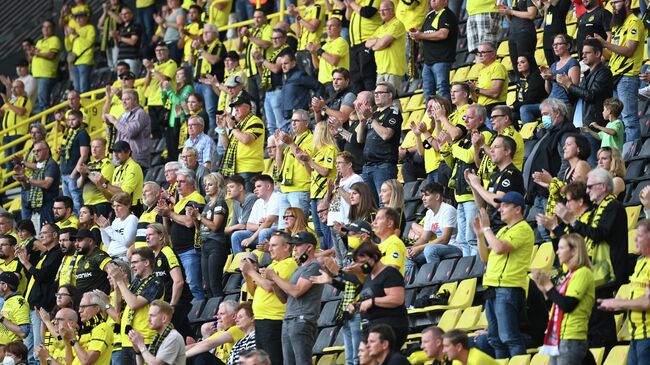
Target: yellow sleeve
[
  {"x": 465, "y": 155},
  {"x": 101, "y": 338},
  {"x": 107, "y": 171},
  {"x": 579, "y": 283},
  {"x": 172, "y": 260},
  {"x": 131, "y": 179},
  {"x": 105, "y": 262},
  {"x": 396, "y": 30}
]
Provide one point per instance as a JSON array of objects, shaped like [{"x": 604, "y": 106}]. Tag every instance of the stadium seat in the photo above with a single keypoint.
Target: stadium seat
[
  {"x": 209, "y": 311},
  {"x": 633, "y": 197},
  {"x": 416, "y": 102},
  {"x": 540, "y": 58},
  {"x": 633, "y": 212},
  {"x": 617, "y": 355},
  {"x": 623, "y": 334},
  {"x": 528, "y": 130},
  {"x": 424, "y": 275},
  {"x": 328, "y": 359},
  {"x": 598, "y": 354},
  {"x": 197, "y": 308},
  {"x": 519, "y": 360},
  {"x": 461, "y": 74},
  {"x": 324, "y": 339},
  {"x": 503, "y": 50},
  {"x": 463, "y": 268},
  {"x": 330, "y": 293},
  {"x": 539, "y": 359},
  {"x": 631, "y": 242},
  {"x": 478, "y": 270},
  {"x": 412, "y": 190},
  {"x": 474, "y": 71},
  {"x": 512, "y": 96},
  {"x": 544, "y": 258},
  {"x": 502, "y": 361},
  {"x": 533, "y": 253},
  {"x": 460, "y": 299},
  {"x": 328, "y": 314},
  {"x": 405, "y": 116},
  {"x": 444, "y": 271},
  {"x": 234, "y": 283},
  {"x": 403, "y": 101},
  {"x": 415, "y": 117},
  {"x": 469, "y": 318},
  {"x": 507, "y": 63},
  {"x": 340, "y": 359},
  {"x": 448, "y": 319}
]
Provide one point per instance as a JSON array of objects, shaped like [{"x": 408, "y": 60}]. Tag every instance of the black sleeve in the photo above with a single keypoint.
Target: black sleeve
[
  {"x": 368, "y": 12},
  {"x": 154, "y": 290},
  {"x": 536, "y": 91},
  {"x": 393, "y": 278},
  {"x": 565, "y": 302},
  {"x": 603, "y": 230},
  {"x": 607, "y": 20},
  {"x": 602, "y": 85}
]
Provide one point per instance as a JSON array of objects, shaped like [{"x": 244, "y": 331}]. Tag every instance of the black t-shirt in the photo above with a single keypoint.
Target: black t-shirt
[
  {"x": 519, "y": 25},
  {"x": 183, "y": 237},
  {"x": 555, "y": 20},
  {"x": 510, "y": 179},
  {"x": 89, "y": 274},
  {"x": 127, "y": 51},
  {"x": 395, "y": 358},
  {"x": 82, "y": 139},
  {"x": 351, "y": 145},
  {"x": 444, "y": 50},
  {"x": 153, "y": 290},
  {"x": 597, "y": 21},
  {"x": 390, "y": 277},
  {"x": 162, "y": 270},
  {"x": 376, "y": 150}
]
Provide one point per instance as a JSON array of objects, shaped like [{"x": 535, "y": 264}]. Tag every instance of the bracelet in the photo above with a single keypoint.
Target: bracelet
[
  {"x": 485, "y": 229},
  {"x": 320, "y": 51}
]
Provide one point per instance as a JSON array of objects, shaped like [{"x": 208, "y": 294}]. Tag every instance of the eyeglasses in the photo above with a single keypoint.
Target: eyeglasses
[
  {"x": 559, "y": 44},
  {"x": 193, "y": 125},
  {"x": 481, "y": 53},
  {"x": 322, "y": 211},
  {"x": 497, "y": 116},
  {"x": 381, "y": 92},
  {"x": 84, "y": 306},
  {"x": 59, "y": 295},
  {"x": 288, "y": 216},
  {"x": 591, "y": 186}
]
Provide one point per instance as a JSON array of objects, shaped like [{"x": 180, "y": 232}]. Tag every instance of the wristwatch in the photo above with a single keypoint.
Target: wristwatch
[
  {"x": 105, "y": 185},
  {"x": 48, "y": 360},
  {"x": 73, "y": 342},
  {"x": 107, "y": 306}
]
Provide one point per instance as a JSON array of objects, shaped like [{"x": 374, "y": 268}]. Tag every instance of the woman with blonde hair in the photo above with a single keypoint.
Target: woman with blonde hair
[
  {"x": 565, "y": 340},
  {"x": 611, "y": 160},
  {"x": 391, "y": 195}
]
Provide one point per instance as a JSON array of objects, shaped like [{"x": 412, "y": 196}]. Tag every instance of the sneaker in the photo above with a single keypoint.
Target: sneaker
[{"x": 645, "y": 92}]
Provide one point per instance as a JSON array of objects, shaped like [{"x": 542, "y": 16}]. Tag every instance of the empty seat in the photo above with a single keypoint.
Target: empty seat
[
  {"x": 329, "y": 293},
  {"x": 444, "y": 271},
  {"x": 324, "y": 339},
  {"x": 328, "y": 314},
  {"x": 617, "y": 355},
  {"x": 463, "y": 268},
  {"x": 424, "y": 275},
  {"x": 197, "y": 308},
  {"x": 233, "y": 285},
  {"x": 209, "y": 311},
  {"x": 544, "y": 258}
]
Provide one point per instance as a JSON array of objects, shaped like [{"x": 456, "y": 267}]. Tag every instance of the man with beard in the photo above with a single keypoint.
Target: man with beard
[
  {"x": 67, "y": 269},
  {"x": 341, "y": 102},
  {"x": 10, "y": 263},
  {"x": 73, "y": 154},
  {"x": 626, "y": 43},
  {"x": 62, "y": 209},
  {"x": 92, "y": 270},
  {"x": 595, "y": 20}
]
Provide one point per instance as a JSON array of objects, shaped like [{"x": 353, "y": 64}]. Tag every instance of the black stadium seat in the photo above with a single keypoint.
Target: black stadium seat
[
  {"x": 330, "y": 293},
  {"x": 463, "y": 268},
  {"x": 424, "y": 275},
  {"x": 197, "y": 308},
  {"x": 209, "y": 311},
  {"x": 234, "y": 283},
  {"x": 444, "y": 271},
  {"x": 328, "y": 314},
  {"x": 478, "y": 270},
  {"x": 325, "y": 338}
]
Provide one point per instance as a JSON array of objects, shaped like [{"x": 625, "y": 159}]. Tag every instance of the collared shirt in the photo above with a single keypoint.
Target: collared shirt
[
  {"x": 134, "y": 127},
  {"x": 205, "y": 147}
]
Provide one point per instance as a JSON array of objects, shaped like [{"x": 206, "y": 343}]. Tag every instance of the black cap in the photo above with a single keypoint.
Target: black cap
[
  {"x": 127, "y": 75},
  {"x": 22, "y": 63},
  {"x": 121, "y": 146},
  {"x": 243, "y": 98},
  {"x": 302, "y": 238},
  {"x": 83, "y": 233},
  {"x": 358, "y": 226},
  {"x": 9, "y": 278},
  {"x": 233, "y": 55},
  {"x": 161, "y": 44}
]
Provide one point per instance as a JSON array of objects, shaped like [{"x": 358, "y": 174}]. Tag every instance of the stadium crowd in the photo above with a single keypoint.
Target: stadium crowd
[{"x": 282, "y": 156}]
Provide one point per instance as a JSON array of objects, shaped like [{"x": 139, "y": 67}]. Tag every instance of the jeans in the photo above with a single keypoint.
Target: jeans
[
  {"x": 572, "y": 352},
  {"x": 236, "y": 239},
  {"x": 303, "y": 336},
  {"x": 436, "y": 75},
  {"x": 244, "y": 10},
  {"x": 466, "y": 237},
  {"x": 81, "y": 77},
  {"x": 351, "y": 339},
  {"x": 9, "y": 165},
  {"x": 639, "y": 353},
  {"x": 268, "y": 337},
  {"x": 374, "y": 174},
  {"x": 322, "y": 229},
  {"x": 529, "y": 113},
  {"x": 628, "y": 90},
  {"x": 191, "y": 261},
  {"x": 502, "y": 312},
  {"x": 45, "y": 86},
  {"x": 433, "y": 252},
  {"x": 214, "y": 254},
  {"x": 296, "y": 199},
  {"x": 111, "y": 57},
  {"x": 33, "y": 339},
  {"x": 539, "y": 204},
  {"x": 134, "y": 65},
  {"x": 144, "y": 17},
  {"x": 273, "y": 110},
  {"x": 210, "y": 100},
  {"x": 70, "y": 189}
]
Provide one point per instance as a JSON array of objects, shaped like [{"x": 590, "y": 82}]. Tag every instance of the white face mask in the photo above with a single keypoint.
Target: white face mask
[{"x": 8, "y": 360}]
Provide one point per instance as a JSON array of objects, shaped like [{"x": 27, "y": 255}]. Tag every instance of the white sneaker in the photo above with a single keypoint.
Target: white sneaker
[{"x": 645, "y": 92}]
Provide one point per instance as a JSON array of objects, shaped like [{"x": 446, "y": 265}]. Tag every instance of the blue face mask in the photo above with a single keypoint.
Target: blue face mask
[{"x": 547, "y": 122}]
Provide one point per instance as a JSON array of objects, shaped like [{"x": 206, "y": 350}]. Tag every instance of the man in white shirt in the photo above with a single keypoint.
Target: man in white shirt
[
  {"x": 347, "y": 178},
  {"x": 440, "y": 222},
  {"x": 263, "y": 218}
]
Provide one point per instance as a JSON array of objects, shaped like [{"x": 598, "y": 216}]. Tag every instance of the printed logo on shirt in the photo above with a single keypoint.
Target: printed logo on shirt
[{"x": 505, "y": 183}]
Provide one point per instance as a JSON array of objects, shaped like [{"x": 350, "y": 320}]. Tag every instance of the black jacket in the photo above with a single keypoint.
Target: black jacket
[
  {"x": 596, "y": 86},
  {"x": 45, "y": 285}
]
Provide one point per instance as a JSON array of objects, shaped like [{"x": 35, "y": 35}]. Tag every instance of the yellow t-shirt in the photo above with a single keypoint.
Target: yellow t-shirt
[
  {"x": 99, "y": 339},
  {"x": 250, "y": 157},
  {"x": 191, "y": 29},
  {"x": 393, "y": 252},
  {"x": 153, "y": 94},
  {"x": 91, "y": 194},
  {"x": 70, "y": 222},
  {"x": 144, "y": 3},
  {"x": 140, "y": 323},
  {"x": 223, "y": 352},
  {"x": 631, "y": 30},
  {"x": 84, "y": 45},
  {"x": 219, "y": 17},
  {"x": 481, "y": 6},
  {"x": 129, "y": 178},
  {"x": 510, "y": 269},
  {"x": 392, "y": 59},
  {"x": 16, "y": 310},
  {"x": 266, "y": 304},
  {"x": 16, "y": 267},
  {"x": 432, "y": 158},
  {"x": 325, "y": 157},
  {"x": 264, "y": 32},
  {"x": 581, "y": 286},
  {"x": 495, "y": 71},
  {"x": 42, "y": 67},
  {"x": 10, "y": 119},
  {"x": 362, "y": 28},
  {"x": 412, "y": 14},
  {"x": 640, "y": 320},
  {"x": 294, "y": 174},
  {"x": 315, "y": 11},
  {"x": 338, "y": 47}
]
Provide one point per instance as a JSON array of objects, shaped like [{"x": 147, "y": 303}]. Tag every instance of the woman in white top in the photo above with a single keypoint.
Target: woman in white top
[{"x": 119, "y": 235}]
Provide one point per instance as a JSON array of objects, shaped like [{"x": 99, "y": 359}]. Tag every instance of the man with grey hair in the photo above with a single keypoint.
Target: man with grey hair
[
  {"x": 134, "y": 127},
  {"x": 546, "y": 157},
  {"x": 151, "y": 193},
  {"x": 491, "y": 88},
  {"x": 607, "y": 227},
  {"x": 190, "y": 157},
  {"x": 224, "y": 332},
  {"x": 170, "y": 178},
  {"x": 255, "y": 357},
  {"x": 203, "y": 144}
]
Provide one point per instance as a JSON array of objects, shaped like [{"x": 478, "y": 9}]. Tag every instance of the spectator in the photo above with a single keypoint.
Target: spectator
[
  {"x": 612, "y": 134},
  {"x": 255, "y": 357},
  {"x": 87, "y": 215},
  {"x": 134, "y": 128},
  {"x": 333, "y": 54},
  {"x": 113, "y": 103},
  {"x": 611, "y": 160},
  {"x": 181, "y": 227},
  {"x": 364, "y": 354},
  {"x": 380, "y": 131},
  {"x": 245, "y": 321},
  {"x": 7, "y": 223},
  {"x": 271, "y": 79},
  {"x": 27, "y": 239},
  {"x": 138, "y": 296},
  {"x": 309, "y": 24},
  {"x": 168, "y": 345},
  {"x": 507, "y": 254},
  {"x": 127, "y": 177},
  {"x": 565, "y": 65},
  {"x": 43, "y": 184},
  {"x": 491, "y": 88},
  {"x": 346, "y": 133},
  {"x": 637, "y": 305},
  {"x": 119, "y": 235},
  {"x": 432, "y": 345},
  {"x": 192, "y": 30},
  {"x": 388, "y": 43},
  {"x": 67, "y": 270},
  {"x": 15, "y": 325},
  {"x": 190, "y": 159},
  {"x": 99, "y": 164},
  {"x": 28, "y": 160},
  {"x": 364, "y": 20},
  {"x": 346, "y": 177},
  {"x": 23, "y": 74},
  {"x": 268, "y": 307},
  {"x": 522, "y": 28},
  {"x": 391, "y": 195},
  {"x": 242, "y": 203},
  {"x": 204, "y": 145},
  {"x": 362, "y": 207},
  {"x": 162, "y": 70},
  {"x": 594, "y": 89},
  {"x": 296, "y": 89},
  {"x": 108, "y": 23},
  {"x": 504, "y": 125},
  {"x": 385, "y": 226},
  {"x": 177, "y": 124},
  {"x": 56, "y": 350},
  {"x": 255, "y": 39},
  {"x": 530, "y": 89},
  {"x": 92, "y": 266},
  {"x": 144, "y": 12},
  {"x": 17, "y": 351},
  {"x": 336, "y": 110},
  {"x": 296, "y": 222},
  {"x": 44, "y": 64},
  {"x": 127, "y": 39},
  {"x": 81, "y": 55},
  {"x": 483, "y": 23},
  {"x": 172, "y": 24},
  {"x": 437, "y": 37},
  {"x": 15, "y": 110},
  {"x": 74, "y": 153},
  {"x": 438, "y": 239},
  {"x": 299, "y": 328},
  {"x": 10, "y": 263},
  {"x": 222, "y": 340},
  {"x": 596, "y": 20},
  {"x": 63, "y": 212},
  {"x": 556, "y": 13},
  {"x": 169, "y": 187},
  {"x": 455, "y": 345},
  {"x": 381, "y": 346},
  {"x": 93, "y": 340},
  {"x": 572, "y": 301}
]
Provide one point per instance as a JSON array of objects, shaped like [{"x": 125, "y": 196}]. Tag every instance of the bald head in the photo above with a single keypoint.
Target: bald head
[{"x": 68, "y": 314}]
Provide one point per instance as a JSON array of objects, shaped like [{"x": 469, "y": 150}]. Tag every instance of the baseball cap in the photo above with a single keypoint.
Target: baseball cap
[
  {"x": 121, "y": 146},
  {"x": 302, "y": 238},
  {"x": 83, "y": 233},
  {"x": 233, "y": 81},
  {"x": 127, "y": 75},
  {"x": 512, "y": 197},
  {"x": 358, "y": 226},
  {"x": 243, "y": 98},
  {"x": 9, "y": 278}
]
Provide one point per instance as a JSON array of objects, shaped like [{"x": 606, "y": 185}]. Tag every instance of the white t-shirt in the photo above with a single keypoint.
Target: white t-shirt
[
  {"x": 446, "y": 218},
  {"x": 344, "y": 208},
  {"x": 120, "y": 235},
  {"x": 263, "y": 209}
]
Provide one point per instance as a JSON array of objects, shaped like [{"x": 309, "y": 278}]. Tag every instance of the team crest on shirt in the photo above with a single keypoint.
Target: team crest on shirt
[
  {"x": 159, "y": 263},
  {"x": 591, "y": 18},
  {"x": 633, "y": 31},
  {"x": 392, "y": 121},
  {"x": 395, "y": 255},
  {"x": 329, "y": 160},
  {"x": 87, "y": 266}
]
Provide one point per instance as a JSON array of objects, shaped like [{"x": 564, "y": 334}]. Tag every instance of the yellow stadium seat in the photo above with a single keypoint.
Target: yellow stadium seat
[
  {"x": 340, "y": 360},
  {"x": 448, "y": 319},
  {"x": 528, "y": 130},
  {"x": 623, "y": 334},
  {"x": 415, "y": 116},
  {"x": 503, "y": 50},
  {"x": 598, "y": 354},
  {"x": 415, "y": 103},
  {"x": 507, "y": 63},
  {"x": 618, "y": 321},
  {"x": 633, "y": 213},
  {"x": 418, "y": 358},
  {"x": 511, "y": 98},
  {"x": 461, "y": 74},
  {"x": 572, "y": 30},
  {"x": 571, "y": 18},
  {"x": 474, "y": 71},
  {"x": 519, "y": 360},
  {"x": 328, "y": 359},
  {"x": 539, "y": 359},
  {"x": 482, "y": 322},
  {"x": 403, "y": 101},
  {"x": 617, "y": 355},
  {"x": 502, "y": 361},
  {"x": 532, "y": 255},
  {"x": 405, "y": 116},
  {"x": 544, "y": 258},
  {"x": 540, "y": 57},
  {"x": 452, "y": 73},
  {"x": 469, "y": 318},
  {"x": 631, "y": 242},
  {"x": 460, "y": 299}
]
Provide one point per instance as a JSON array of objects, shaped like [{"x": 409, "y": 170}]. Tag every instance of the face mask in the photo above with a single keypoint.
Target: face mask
[
  {"x": 366, "y": 268},
  {"x": 547, "y": 122},
  {"x": 8, "y": 360}
]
